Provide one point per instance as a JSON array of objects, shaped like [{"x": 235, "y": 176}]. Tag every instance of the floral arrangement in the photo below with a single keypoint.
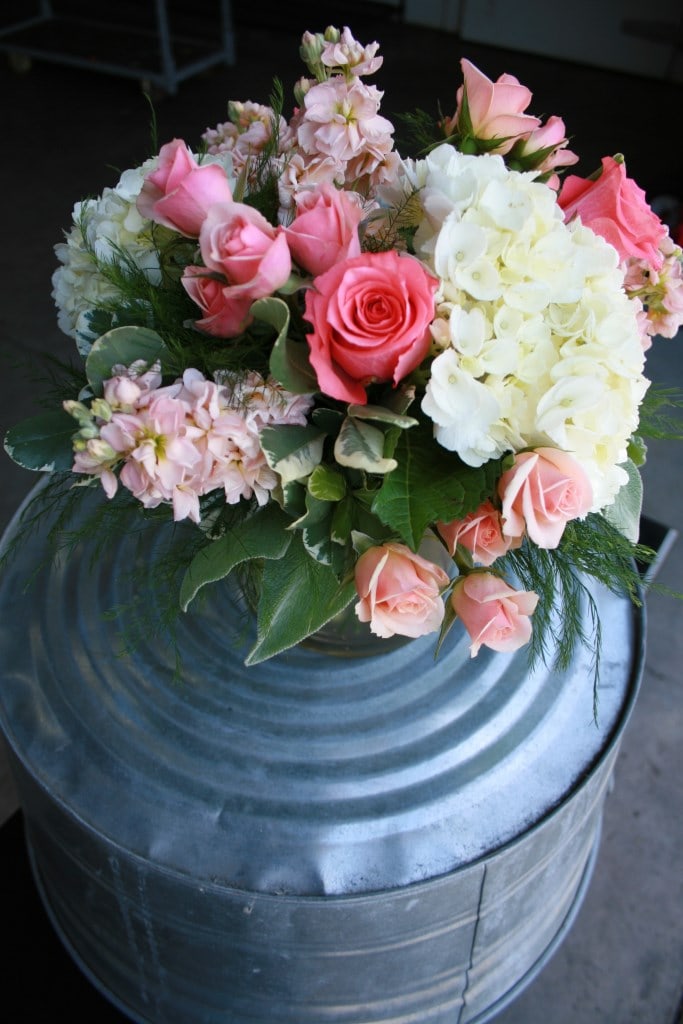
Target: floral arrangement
[{"x": 322, "y": 353}]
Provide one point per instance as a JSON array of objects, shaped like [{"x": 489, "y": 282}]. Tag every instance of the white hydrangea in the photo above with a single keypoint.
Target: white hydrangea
[{"x": 537, "y": 340}]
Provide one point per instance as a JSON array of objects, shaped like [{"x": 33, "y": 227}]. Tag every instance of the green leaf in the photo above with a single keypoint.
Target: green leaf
[
  {"x": 326, "y": 483},
  {"x": 292, "y": 451},
  {"x": 342, "y": 520},
  {"x": 298, "y": 596},
  {"x": 624, "y": 512},
  {"x": 289, "y": 362},
  {"x": 430, "y": 484},
  {"x": 382, "y": 415},
  {"x": 121, "y": 345},
  {"x": 262, "y": 535},
  {"x": 43, "y": 443},
  {"x": 361, "y": 446},
  {"x": 316, "y": 531}
]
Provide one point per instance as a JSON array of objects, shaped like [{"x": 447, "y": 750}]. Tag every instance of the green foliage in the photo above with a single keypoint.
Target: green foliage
[
  {"x": 298, "y": 596},
  {"x": 660, "y": 414},
  {"x": 429, "y": 484},
  {"x": 123, "y": 346},
  {"x": 43, "y": 443}
]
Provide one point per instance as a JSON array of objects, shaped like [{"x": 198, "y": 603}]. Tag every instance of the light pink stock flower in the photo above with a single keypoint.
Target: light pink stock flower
[
  {"x": 245, "y": 259},
  {"x": 399, "y": 591},
  {"x": 370, "y": 318},
  {"x": 196, "y": 436},
  {"x": 325, "y": 229},
  {"x": 616, "y": 208},
  {"x": 350, "y": 56},
  {"x": 481, "y": 532},
  {"x": 340, "y": 120},
  {"x": 495, "y": 109},
  {"x": 493, "y": 613},
  {"x": 543, "y": 491},
  {"x": 179, "y": 193},
  {"x": 246, "y": 134},
  {"x": 660, "y": 292}
]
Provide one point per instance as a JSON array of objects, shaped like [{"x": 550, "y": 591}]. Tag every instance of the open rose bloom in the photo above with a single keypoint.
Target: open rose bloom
[{"x": 320, "y": 350}]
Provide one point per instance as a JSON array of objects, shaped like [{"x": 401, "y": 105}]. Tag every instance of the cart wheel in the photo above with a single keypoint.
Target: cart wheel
[{"x": 20, "y": 63}]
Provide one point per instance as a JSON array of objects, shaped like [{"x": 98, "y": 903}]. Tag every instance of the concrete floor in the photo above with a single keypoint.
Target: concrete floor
[{"x": 63, "y": 131}]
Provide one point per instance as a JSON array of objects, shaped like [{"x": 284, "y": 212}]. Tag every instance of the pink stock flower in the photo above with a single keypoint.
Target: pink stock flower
[
  {"x": 340, "y": 120},
  {"x": 325, "y": 230},
  {"x": 245, "y": 259},
  {"x": 543, "y": 491},
  {"x": 370, "y": 318},
  {"x": 616, "y": 208},
  {"x": 399, "y": 591},
  {"x": 489, "y": 110},
  {"x": 493, "y": 614},
  {"x": 481, "y": 532},
  {"x": 179, "y": 193},
  {"x": 349, "y": 55},
  {"x": 659, "y": 291}
]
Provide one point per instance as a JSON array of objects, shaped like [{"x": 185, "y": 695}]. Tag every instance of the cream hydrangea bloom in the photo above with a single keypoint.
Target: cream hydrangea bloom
[{"x": 537, "y": 341}]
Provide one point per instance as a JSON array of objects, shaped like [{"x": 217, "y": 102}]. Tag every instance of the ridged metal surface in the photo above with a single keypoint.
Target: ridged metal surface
[{"x": 313, "y": 839}]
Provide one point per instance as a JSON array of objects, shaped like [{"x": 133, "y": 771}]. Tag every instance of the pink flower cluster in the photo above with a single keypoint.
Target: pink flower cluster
[
  {"x": 400, "y": 592},
  {"x": 177, "y": 443}
]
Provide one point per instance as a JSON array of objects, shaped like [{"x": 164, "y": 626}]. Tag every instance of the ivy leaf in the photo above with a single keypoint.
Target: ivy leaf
[
  {"x": 361, "y": 446},
  {"x": 292, "y": 451},
  {"x": 43, "y": 443},
  {"x": 298, "y": 596},
  {"x": 121, "y": 345},
  {"x": 316, "y": 532},
  {"x": 382, "y": 415},
  {"x": 326, "y": 483},
  {"x": 289, "y": 362},
  {"x": 262, "y": 535},
  {"x": 624, "y": 512},
  {"x": 430, "y": 484}
]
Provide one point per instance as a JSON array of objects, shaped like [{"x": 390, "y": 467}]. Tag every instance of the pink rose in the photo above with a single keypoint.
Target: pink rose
[
  {"x": 251, "y": 258},
  {"x": 179, "y": 193},
  {"x": 481, "y": 532},
  {"x": 492, "y": 110},
  {"x": 325, "y": 230},
  {"x": 615, "y": 208},
  {"x": 225, "y": 309},
  {"x": 370, "y": 318},
  {"x": 545, "y": 150},
  {"x": 399, "y": 591},
  {"x": 493, "y": 614},
  {"x": 542, "y": 492}
]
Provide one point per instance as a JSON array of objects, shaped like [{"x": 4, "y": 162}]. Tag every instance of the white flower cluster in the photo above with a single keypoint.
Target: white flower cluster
[
  {"x": 539, "y": 343},
  {"x": 100, "y": 227}
]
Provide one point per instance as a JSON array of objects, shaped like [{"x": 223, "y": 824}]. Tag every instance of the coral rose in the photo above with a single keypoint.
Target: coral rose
[
  {"x": 179, "y": 193},
  {"x": 493, "y": 613},
  {"x": 615, "y": 207},
  {"x": 542, "y": 492},
  {"x": 399, "y": 591},
  {"x": 481, "y": 532},
  {"x": 370, "y": 318}
]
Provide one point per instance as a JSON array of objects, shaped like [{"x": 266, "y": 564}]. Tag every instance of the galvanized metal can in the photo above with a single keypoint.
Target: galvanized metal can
[{"x": 314, "y": 839}]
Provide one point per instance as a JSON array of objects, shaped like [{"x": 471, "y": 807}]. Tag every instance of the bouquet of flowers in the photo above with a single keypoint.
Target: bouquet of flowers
[{"x": 322, "y": 353}]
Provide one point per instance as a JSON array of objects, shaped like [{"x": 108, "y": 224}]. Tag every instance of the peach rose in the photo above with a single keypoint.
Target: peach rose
[
  {"x": 542, "y": 492},
  {"x": 489, "y": 110},
  {"x": 493, "y": 614},
  {"x": 325, "y": 230},
  {"x": 370, "y": 318},
  {"x": 481, "y": 532},
  {"x": 179, "y": 192},
  {"x": 615, "y": 207},
  {"x": 399, "y": 591}
]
